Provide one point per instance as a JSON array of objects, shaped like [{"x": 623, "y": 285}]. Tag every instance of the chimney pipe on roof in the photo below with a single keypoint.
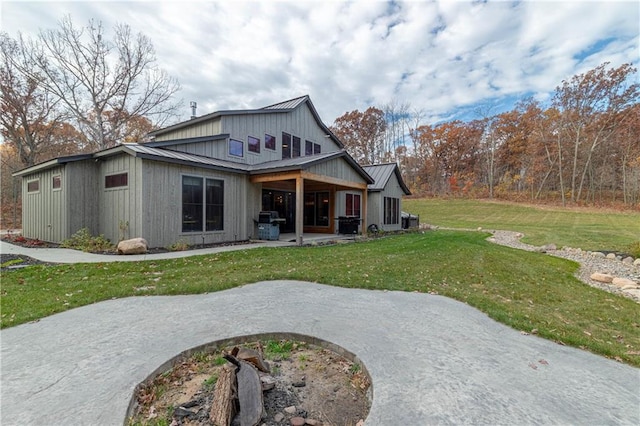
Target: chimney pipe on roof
[{"x": 193, "y": 106}]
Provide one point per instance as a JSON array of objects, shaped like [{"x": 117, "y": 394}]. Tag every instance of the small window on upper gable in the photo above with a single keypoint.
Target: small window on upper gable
[
  {"x": 236, "y": 148},
  {"x": 253, "y": 144},
  {"x": 269, "y": 142}
]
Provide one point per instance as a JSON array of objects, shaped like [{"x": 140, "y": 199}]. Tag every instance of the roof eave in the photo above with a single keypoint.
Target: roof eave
[
  {"x": 51, "y": 163},
  {"x": 230, "y": 169}
]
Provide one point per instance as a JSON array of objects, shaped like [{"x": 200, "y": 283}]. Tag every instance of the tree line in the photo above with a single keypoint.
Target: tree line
[
  {"x": 583, "y": 147},
  {"x": 72, "y": 89}
]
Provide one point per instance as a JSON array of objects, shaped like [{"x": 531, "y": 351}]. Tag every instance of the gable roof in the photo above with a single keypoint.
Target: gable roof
[
  {"x": 281, "y": 107},
  {"x": 381, "y": 173},
  {"x": 302, "y": 163}
]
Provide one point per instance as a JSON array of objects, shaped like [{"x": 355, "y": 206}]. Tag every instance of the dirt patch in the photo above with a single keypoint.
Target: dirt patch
[{"x": 311, "y": 382}]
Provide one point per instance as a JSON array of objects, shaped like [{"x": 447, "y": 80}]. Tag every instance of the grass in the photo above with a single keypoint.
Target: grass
[
  {"x": 588, "y": 229},
  {"x": 524, "y": 290}
]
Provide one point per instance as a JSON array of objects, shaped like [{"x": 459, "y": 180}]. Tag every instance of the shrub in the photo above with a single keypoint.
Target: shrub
[
  {"x": 83, "y": 240},
  {"x": 180, "y": 245}
]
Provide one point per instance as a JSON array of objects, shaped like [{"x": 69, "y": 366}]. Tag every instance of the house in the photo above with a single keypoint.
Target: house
[
  {"x": 207, "y": 179},
  {"x": 385, "y": 196}
]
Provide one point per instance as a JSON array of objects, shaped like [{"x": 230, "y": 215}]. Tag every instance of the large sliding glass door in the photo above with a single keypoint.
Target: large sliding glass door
[
  {"x": 317, "y": 208},
  {"x": 283, "y": 202}
]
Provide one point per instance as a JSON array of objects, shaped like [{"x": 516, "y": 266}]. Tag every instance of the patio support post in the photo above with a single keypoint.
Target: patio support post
[
  {"x": 364, "y": 212},
  {"x": 299, "y": 209}
]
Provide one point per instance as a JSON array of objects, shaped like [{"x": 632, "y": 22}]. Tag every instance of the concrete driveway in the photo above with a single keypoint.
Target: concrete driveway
[{"x": 432, "y": 360}]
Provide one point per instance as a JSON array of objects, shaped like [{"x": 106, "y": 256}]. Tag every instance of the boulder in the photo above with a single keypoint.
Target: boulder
[
  {"x": 611, "y": 256},
  {"x": 622, "y": 282},
  {"x": 133, "y": 246},
  {"x": 627, "y": 260},
  {"x": 637, "y": 262},
  {"x": 602, "y": 278},
  {"x": 598, "y": 254}
]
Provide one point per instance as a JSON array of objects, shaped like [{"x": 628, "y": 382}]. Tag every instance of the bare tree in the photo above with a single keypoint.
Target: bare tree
[
  {"x": 103, "y": 84},
  {"x": 29, "y": 116}
]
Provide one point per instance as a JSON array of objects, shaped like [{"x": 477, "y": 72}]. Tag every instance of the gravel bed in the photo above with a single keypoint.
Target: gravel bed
[{"x": 588, "y": 262}]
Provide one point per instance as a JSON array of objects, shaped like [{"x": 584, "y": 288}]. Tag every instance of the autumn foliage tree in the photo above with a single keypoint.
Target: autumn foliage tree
[
  {"x": 362, "y": 134},
  {"x": 592, "y": 107}
]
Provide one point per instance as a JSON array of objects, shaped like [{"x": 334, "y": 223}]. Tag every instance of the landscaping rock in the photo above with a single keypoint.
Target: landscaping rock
[
  {"x": 637, "y": 262},
  {"x": 611, "y": 256},
  {"x": 622, "y": 282},
  {"x": 278, "y": 417},
  {"x": 628, "y": 260},
  {"x": 133, "y": 246},
  {"x": 297, "y": 421},
  {"x": 602, "y": 278},
  {"x": 598, "y": 254},
  {"x": 290, "y": 410},
  {"x": 634, "y": 292},
  {"x": 631, "y": 287}
]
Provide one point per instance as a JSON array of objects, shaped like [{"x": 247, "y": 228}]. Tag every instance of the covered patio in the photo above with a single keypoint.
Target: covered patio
[{"x": 307, "y": 200}]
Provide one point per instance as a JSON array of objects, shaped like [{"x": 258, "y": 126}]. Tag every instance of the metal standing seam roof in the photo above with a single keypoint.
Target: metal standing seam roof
[
  {"x": 183, "y": 157},
  {"x": 290, "y": 104},
  {"x": 52, "y": 163},
  {"x": 381, "y": 173}
]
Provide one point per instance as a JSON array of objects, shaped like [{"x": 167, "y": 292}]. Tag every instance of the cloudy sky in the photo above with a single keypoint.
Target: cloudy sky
[{"x": 447, "y": 59}]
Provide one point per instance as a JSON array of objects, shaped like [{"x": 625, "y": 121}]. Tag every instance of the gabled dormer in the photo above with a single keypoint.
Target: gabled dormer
[{"x": 288, "y": 129}]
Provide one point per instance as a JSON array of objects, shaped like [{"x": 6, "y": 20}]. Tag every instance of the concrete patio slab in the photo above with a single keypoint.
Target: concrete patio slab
[{"x": 432, "y": 360}]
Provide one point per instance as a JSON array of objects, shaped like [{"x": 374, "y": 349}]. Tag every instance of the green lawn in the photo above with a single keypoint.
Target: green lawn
[
  {"x": 524, "y": 290},
  {"x": 588, "y": 229}
]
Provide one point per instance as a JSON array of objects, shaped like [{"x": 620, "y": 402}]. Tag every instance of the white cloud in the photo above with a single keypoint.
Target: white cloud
[{"x": 442, "y": 57}]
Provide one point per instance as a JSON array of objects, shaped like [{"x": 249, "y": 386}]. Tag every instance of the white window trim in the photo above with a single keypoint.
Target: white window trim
[{"x": 39, "y": 186}]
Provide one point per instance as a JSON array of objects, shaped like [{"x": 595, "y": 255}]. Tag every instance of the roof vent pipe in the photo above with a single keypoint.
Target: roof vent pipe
[{"x": 193, "y": 106}]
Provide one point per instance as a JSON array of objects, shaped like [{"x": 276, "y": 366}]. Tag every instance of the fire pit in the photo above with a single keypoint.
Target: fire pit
[{"x": 307, "y": 381}]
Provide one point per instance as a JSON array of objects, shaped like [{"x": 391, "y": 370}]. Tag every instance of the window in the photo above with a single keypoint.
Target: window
[
  {"x": 316, "y": 209},
  {"x": 214, "y": 205},
  {"x": 286, "y": 145},
  {"x": 391, "y": 211},
  {"x": 33, "y": 186},
  {"x": 269, "y": 142},
  {"x": 253, "y": 144},
  {"x": 236, "y": 148},
  {"x": 202, "y": 204},
  {"x": 56, "y": 182},
  {"x": 353, "y": 205},
  {"x": 116, "y": 181},
  {"x": 308, "y": 148},
  {"x": 296, "y": 147},
  {"x": 316, "y": 148}
]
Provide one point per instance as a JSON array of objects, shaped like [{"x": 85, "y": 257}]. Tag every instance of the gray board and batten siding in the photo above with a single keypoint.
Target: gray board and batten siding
[
  {"x": 240, "y": 125},
  {"x": 47, "y": 217},
  {"x": 388, "y": 183},
  {"x": 55, "y": 213},
  {"x": 121, "y": 211},
  {"x": 163, "y": 208}
]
